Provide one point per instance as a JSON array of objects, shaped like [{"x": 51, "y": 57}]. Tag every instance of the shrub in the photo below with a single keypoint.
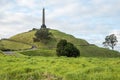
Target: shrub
[{"x": 65, "y": 48}]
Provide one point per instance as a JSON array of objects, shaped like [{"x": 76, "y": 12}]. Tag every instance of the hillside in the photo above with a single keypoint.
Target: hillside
[
  {"x": 85, "y": 48},
  {"x": 27, "y": 37},
  {"x": 13, "y": 45}
]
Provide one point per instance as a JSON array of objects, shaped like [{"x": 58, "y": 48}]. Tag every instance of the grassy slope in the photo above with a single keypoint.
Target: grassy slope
[
  {"x": 40, "y": 52},
  {"x": 55, "y": 68},
  {"x": 27, "y": 37},
  {"x": 60, "y": 35},
  {"x": 14, "y": 45},
  {"x": 94, "y": 51},
  {"x": 1, "y": 53}
]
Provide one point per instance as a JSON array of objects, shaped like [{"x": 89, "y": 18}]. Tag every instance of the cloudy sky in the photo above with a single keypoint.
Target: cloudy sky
[{"x": 91, "y": 20}]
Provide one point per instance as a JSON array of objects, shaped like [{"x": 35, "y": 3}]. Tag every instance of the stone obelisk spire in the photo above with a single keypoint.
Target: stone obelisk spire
[{"x": 43, "y": 18}]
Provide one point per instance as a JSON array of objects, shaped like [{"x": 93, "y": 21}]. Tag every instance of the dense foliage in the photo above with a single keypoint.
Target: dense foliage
[
  {"x": 110, "y": 41},
  {"x": 42, "y": 35},
  {"x": 65, "y": 48}
]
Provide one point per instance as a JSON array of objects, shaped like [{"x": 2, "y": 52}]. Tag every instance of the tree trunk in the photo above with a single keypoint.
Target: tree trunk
[{"x": 112, "y": 47}]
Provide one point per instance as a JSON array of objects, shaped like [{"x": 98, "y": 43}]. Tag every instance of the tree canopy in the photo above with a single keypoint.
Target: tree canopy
[
  {"x": 110, "y": 41},
  {"x": 65, "y": 48},
  {"x": 42, "y": 35}
]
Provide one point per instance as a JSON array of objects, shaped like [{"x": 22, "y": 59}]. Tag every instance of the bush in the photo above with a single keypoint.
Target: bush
[{"x": 65, "y": 48}]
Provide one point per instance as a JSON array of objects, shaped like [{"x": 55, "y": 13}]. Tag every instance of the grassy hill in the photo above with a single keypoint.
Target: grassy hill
[
  {"x": 27, "y": 37},
  {"x": 25, "y": 40}
]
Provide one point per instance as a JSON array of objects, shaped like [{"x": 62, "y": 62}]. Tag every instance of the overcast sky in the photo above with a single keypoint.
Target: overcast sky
[{"x": 91, "y": 20}]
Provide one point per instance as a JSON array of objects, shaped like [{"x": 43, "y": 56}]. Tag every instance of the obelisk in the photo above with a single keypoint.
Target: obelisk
[{"x": 43, "y": 19}]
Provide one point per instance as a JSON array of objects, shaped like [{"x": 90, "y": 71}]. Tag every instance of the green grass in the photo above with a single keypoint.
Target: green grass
[
  {"x": 1, "y": 53},
  {"x": 60, "y": 35},
  {"x": 58, "y": 68},
  {"x": 11, "y": 45},
  {"x": 40, "y": 52},
  {"x": 26, "y": 37},
  {"x": 94, "y": 51}
]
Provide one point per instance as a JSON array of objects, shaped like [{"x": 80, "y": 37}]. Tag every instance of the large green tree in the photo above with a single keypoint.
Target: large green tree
[
  {"x": 65, "y": 48},
  {"x": 110, "y": 41},
  {"x": 42, "y": 35}
]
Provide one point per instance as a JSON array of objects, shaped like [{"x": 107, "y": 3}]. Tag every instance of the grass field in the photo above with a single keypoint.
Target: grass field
[{"x": 20, "y": 67}]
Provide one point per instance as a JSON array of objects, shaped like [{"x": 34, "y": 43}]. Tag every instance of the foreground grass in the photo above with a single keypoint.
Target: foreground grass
[{"x": 58, "y": 68}]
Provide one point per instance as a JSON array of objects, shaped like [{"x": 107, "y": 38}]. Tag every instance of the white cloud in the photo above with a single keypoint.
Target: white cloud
[{"x": 26, "y": 3}]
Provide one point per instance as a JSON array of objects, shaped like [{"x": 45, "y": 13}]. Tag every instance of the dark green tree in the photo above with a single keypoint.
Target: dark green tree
[
  {"x": 71, "y": 50},
  {"x": 110, "y": 41},
  {"x": 65, "y": 48},
  {"x": 60, "y": 47},
  {"x": 42, "y": 35}
]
